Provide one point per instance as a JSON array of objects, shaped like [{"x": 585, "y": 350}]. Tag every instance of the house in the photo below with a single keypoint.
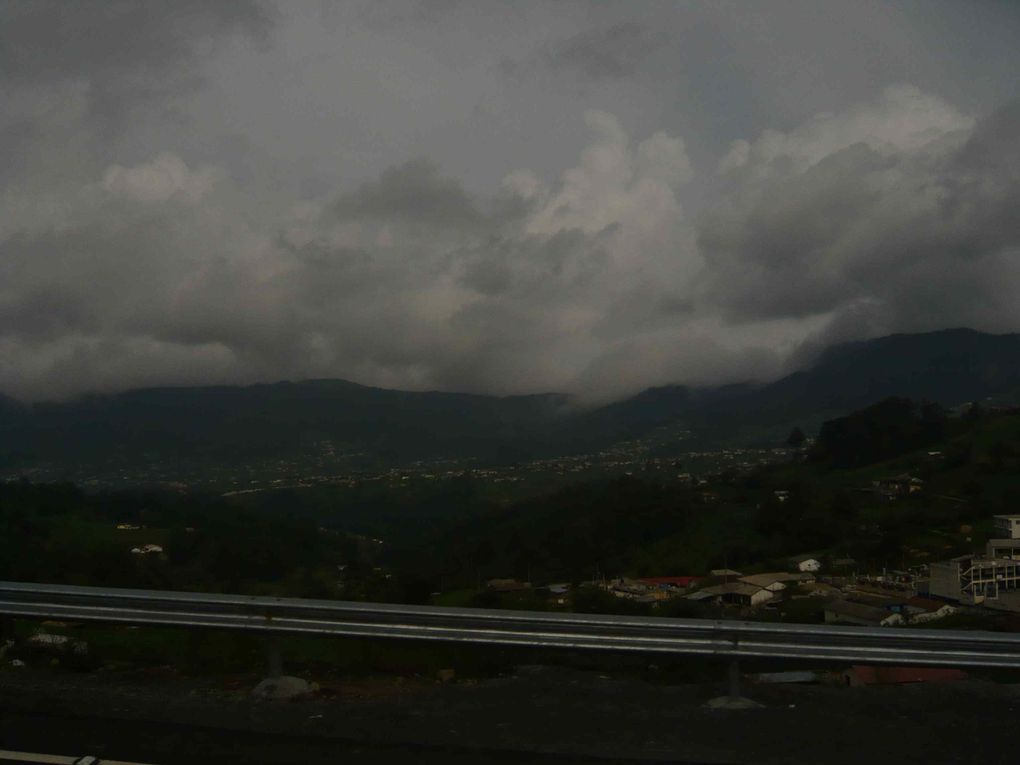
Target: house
[
  {"x": 777, "y": 580},
  {"x": 673, "y": 585},
  {"x": 1003, "y": 548},
  {"x": 896, "y": 583},
  {"x": 848, "y": 612},
  {"x": 724, "y": 573},
  {"x": 1007, "y": 601},
  {"x": 1007, "y": 526},
  {"x": 897, "y": 486},
  {"x": 634, "y": 589},
  {"x": 734, "y": 593},
  {"x": 147, "y": 550},
  {"x": 972, "y": 579},
  {"x": 808, "y": 565}
]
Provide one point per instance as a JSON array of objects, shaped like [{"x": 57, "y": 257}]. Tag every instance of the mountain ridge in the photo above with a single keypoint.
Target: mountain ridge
[{"x": 391, "y": 427}]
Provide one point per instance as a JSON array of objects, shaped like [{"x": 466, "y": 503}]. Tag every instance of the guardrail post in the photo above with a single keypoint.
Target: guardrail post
[
  {"x": 733, "y": 699},
  {"x": 734, "y": 678},
  {"x": 274, "y": 661}
]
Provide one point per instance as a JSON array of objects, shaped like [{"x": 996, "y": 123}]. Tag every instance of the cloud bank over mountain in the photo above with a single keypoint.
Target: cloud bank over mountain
[{"x": 149, "y": 236}]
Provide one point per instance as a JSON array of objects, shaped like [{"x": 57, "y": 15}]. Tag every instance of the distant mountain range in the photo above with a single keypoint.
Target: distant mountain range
[
  {"x": 952, "y": 367},
  {"x": 372, "y": 427}
]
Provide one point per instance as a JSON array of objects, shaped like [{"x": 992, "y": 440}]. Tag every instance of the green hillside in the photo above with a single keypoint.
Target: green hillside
[
  {"x": 403, "y": 542},
  {"x": 318, "y": 427}
]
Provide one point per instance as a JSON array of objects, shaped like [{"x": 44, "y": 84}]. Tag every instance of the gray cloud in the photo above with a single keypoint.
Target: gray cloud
[
  {"x": 618, "y": 50},
  {"x": 907, "y": 229},
  {"x": 125, "y": 51},
  {"x": 184, "y": 206},
  {"x": 414, "y": 192},
  {"x": 46, "y": 40}
]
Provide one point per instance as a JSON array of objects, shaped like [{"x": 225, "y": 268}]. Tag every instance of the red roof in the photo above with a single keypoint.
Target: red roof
[
  {"x": 870, "y": 675},
  {"x": 676, "y": 581}
]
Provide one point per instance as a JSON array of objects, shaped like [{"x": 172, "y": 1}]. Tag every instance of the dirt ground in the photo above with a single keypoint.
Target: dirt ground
[{"x": 535, "y": 713}]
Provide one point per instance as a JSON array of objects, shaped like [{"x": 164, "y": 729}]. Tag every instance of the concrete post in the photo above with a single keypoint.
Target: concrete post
[
  {"x": 734, "y": 679},
  {"x": 733, "y": 699},
  {"x": 278, "y": 686},
  {"x": 274, "y": 661}
]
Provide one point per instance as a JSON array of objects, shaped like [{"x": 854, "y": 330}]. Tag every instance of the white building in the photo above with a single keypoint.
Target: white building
[
  {"x": 734, "y": 593},
  {"x": 1007, "y": 526},
  {"x": 1003, "y": 548},
  {"x": 970, "y": 579},
  {"x": 777, "y": 580}
]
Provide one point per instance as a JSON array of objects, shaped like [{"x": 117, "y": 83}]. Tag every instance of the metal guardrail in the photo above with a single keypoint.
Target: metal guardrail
[{"x": 722, "y": 638}]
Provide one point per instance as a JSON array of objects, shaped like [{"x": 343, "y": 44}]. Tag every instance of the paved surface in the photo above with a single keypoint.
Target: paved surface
[
  {"x": 538, "y": 714},
  {"x": 168, "y": 743}
]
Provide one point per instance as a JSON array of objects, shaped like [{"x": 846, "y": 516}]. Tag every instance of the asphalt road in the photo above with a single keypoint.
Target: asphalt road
[
  {"x": 537, "y": 714},
  {"x": 162, "y": 743}
]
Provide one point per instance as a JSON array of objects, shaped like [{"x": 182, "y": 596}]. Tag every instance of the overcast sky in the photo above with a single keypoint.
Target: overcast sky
[{"x": 496, "y": 197}]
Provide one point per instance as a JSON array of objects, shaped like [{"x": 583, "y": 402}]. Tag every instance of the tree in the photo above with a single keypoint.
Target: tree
[
  {"x": 879, "y": 432},
  {"x": 975, "y": 412}
]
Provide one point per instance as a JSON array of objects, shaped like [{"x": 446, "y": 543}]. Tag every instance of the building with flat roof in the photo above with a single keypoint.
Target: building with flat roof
[
  {"x": 1007, "y": 526},
  {"x": 777, "y": 580},
  {"x": 970, "y": 579},
  {"x": 1003, "y": 548}
]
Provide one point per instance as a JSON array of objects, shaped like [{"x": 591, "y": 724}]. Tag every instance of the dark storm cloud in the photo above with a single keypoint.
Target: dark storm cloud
[
  {"x": 909, "y": 231},
  {"x": 125, "y": 52},
  {"x": 614, "y": 51},
  {"x": 414, "y": 192},
  {"x": 179, "y": 205},
  {"x": 46, "y": 40},
  {"x": 83, "y": 79}
]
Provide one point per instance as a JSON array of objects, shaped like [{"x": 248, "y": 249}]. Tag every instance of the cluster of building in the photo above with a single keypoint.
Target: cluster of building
[
  {"x": 890, "y": 599},
  {"x": 651, "y": 589},
  {"x": 914, "y": 596},
  {"x": 897, "y": 486},
  {"x": 720, "y": 586},
  {"x": 991, "y": 580},
  {"x": 752, "y": 590}
]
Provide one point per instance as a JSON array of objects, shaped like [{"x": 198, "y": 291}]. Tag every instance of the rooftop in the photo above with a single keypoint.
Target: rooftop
[
  {"x": 764, "y": 580},
  {"x": 731, "y": 588},
  {"x": 677, "y": 581}
]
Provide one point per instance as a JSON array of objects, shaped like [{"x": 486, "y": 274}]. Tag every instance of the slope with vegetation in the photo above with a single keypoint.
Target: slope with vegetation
[{"x": 336, "y": 426}]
